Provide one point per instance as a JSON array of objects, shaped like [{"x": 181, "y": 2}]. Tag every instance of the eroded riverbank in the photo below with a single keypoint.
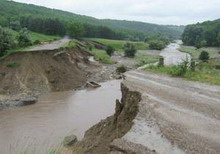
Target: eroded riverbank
[{"x": 41, "y": 127}]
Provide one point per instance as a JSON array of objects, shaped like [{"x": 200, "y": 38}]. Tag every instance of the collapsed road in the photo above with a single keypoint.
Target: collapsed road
[
  {"x": 175, "y": 115},
  {"x": 158, "y": 114}
]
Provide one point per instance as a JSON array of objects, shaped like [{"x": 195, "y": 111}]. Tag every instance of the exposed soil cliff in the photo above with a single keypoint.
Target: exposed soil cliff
[
  {"x": 28, "y": 74},
  {"x": 99, "y": 137},
  {"x": 41, "y": 71}
]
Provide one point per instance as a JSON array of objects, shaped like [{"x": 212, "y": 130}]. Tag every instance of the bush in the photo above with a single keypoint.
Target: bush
[
  {"x": 121, "y": 69},
  {"x": 6, "y": 41},
  {"x": 36, "y": 42},
  {"x": 110, "y": 50},
  {"x": 90, "y": 47},
  {"x": 24, "y": 38},
  {"x": 157, "y": 44},
  {"x": 12, "y": 64},
  {"x": 130, "y": 50},
  {"x": 204, "y": 56}
]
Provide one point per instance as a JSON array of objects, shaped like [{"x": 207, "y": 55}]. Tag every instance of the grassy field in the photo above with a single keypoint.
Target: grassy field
[
  {"x": 34, "y": 37},
  {"x": 119, "y": 44},
  {"x": 101, "y": 55},
  {"x": 204, "y": 73},
  {"x": 42, "y": 37},
  {"x": 37, "y": 36},
  {"x": 213, "y": 51},
  {"x": 143, "y": 59}
]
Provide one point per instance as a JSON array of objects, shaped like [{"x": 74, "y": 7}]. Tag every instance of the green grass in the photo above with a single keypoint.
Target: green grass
[
  {"x": 71, "y": 44},
  {"x": 101, "y": 56},
  {"x": 203, "y": 73},
  {"x": 213, "y": 51},
  {"x": 143, "y": 59},
  {"x": 119, "y": 44},
  {"x": 43, "y": 38},
  {"x": 34, "y": 37},
  {"x": 37, "y": 36}
]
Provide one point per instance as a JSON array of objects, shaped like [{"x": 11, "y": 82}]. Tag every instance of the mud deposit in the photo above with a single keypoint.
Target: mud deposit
[{"x": 42, "y": 127}]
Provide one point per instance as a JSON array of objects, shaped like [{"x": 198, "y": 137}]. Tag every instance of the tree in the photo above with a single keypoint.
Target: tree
[
  {"x": 202, "y": 34},
  {"x": 6, "y": 41},
  {"x": 24, "y": 38},
  {"x": 218, "y": 38},
  {"x": 3, "y": 21},
  {"x": 157, "y": 45},
  {"x": 75, "y": 29},
  {"x": 204, "y": 56},
  {"x": 130, "y": 50},
  {"x": 110, "y": 50},
  {"x": 15, "y": 25}
]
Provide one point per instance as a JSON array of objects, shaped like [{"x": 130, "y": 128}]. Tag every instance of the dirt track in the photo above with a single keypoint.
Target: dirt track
[
  {"x": 50, "y": 46},
  {"x": 176, "y": 116}
]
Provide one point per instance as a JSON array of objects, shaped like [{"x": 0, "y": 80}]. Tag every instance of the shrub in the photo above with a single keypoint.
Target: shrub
[
  {"x": 12, "y": 64},
  {"x": 121, "y": 69},
  {"x": 90, "y": 47},
  {"x": 157, "y": 44},
  {"x": 36, "y": 42},
  {"x": 110, "y": 50},
  {"x": 130, "y": 50},
  {"x": 204, "y": 56},
  {"x": 6, "y": 41},
  {"x": 24, "y": 38}
]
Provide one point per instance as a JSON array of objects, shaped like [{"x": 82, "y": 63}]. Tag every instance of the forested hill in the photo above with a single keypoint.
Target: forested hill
[
  {"x": 203, "y": 34},
  {"x": 37, "y": 18}
]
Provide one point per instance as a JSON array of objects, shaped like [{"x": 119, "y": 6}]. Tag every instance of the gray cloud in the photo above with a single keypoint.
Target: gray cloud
[{"x": 153, "y": 11}]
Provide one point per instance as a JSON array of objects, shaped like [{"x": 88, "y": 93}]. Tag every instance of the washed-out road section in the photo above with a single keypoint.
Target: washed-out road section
[
  {"x": 50, "y": 46},
  {"x": 175, "y": 115}
]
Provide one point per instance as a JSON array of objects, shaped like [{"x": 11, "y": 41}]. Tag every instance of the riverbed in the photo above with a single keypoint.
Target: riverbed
[
  {"x": 172, "y": 56},
  {"x": 42, "y": 127}
]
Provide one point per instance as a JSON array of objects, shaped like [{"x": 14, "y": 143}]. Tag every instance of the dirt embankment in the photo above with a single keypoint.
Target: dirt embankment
[
  {"x": 99, "y": 137},
  {"x": 37, "y": 72},
  {"x": 164, "y": 115}
]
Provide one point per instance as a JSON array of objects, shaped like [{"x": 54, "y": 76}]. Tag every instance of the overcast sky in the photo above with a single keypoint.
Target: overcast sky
[{"x": 179, "y": 12}]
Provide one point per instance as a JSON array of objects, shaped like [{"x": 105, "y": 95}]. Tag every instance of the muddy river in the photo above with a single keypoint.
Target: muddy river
[
  {"x": 42, "y": 127},
  {"x": 172, "y": 56}
]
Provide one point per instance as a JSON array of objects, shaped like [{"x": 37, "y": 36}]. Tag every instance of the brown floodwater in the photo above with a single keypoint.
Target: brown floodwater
[{"x": 41, "y": 127}]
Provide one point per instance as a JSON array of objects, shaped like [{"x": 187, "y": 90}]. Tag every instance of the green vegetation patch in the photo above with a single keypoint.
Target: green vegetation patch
[
  {"x": 72, "y": 44},
  {"x": 203, "y": 73},
  {"x": 119, "y": 44},
  {"x": 12, "y": 64},
  {"x": 101, "y": 56},
  {"x": 213, "y": 51},
  {"x": 143, "y": 59},
  {"x": 42, "y": 38}
]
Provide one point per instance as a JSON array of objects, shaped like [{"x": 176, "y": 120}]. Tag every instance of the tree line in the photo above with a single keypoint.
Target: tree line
[
  {"x": 39, "y": 19},
  {"x": 202, "y": 34}
]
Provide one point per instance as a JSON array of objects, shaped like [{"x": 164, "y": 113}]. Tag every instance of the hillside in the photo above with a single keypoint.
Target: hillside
[
  {"x": 203, "y": 34},
  {"x": 13, "y": 11}
]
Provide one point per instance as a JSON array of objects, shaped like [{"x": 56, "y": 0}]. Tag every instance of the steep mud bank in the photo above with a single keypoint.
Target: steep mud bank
[
  {"x": 99, "y": 137},
  {"x": 36, "y": 72},
  {"x": 158, "y": 114}
]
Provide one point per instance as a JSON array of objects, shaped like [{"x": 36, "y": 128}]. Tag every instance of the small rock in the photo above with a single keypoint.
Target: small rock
[
  {"x": 29, "y": 101},
  {"x": 70, "y": 140}
]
